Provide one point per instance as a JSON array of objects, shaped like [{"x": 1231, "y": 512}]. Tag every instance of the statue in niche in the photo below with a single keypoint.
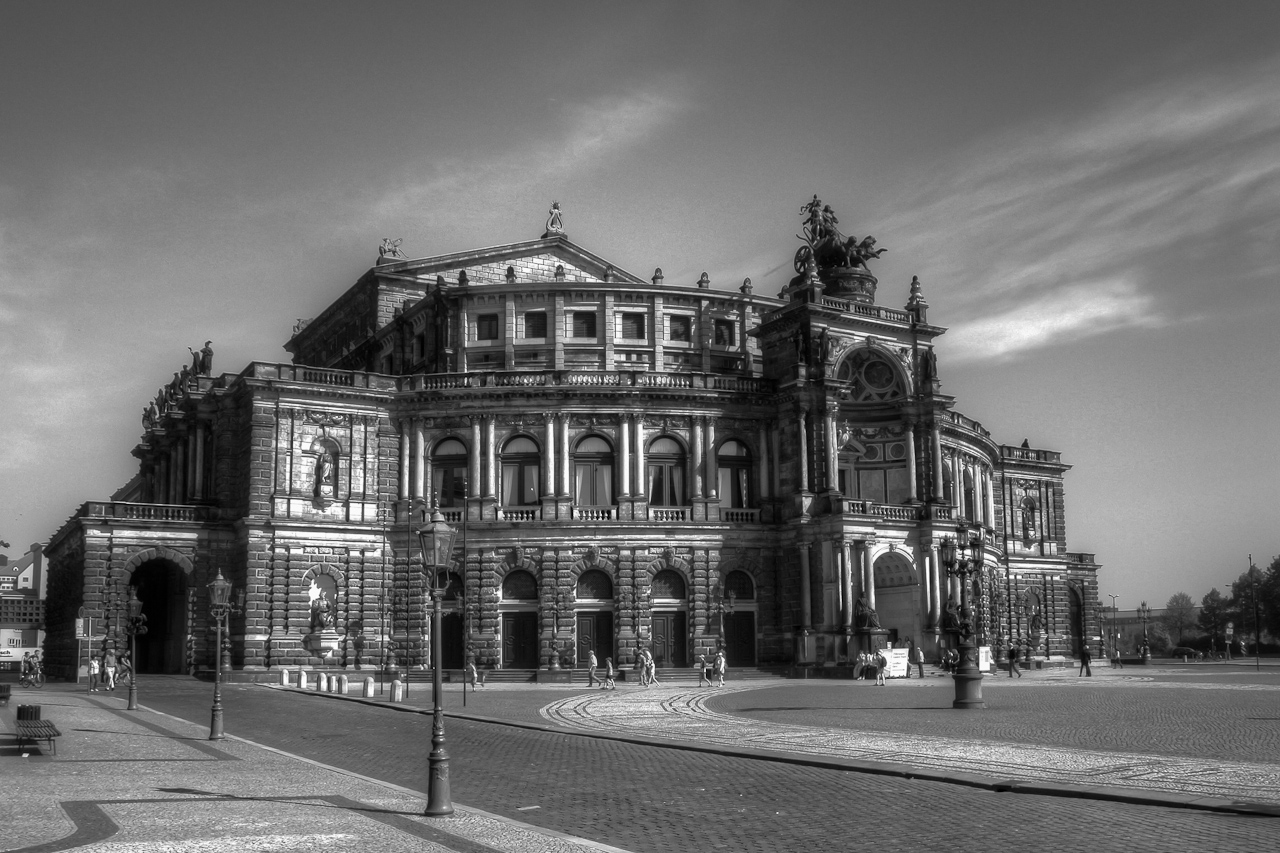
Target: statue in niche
[
  {"x": 865, "y": 615},
  {"x": 321, "y": 613},
  {"x": 1028, "y": 523}
]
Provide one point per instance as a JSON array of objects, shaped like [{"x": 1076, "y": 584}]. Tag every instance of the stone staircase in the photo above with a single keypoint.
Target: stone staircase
[{"x": 681, "y": 676}]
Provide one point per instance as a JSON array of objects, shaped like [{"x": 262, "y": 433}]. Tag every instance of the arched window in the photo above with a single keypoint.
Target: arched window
[
  {"x": 449, "y": 472},
  {"x": 667, "y": 467},
  {"x": 871, "y": 376},
  {"x": 970, "y": 509},
  {"x": 453, "y": 592},
  {"x": 948, "y": 485},
  {"x": 668, "y": 584},
  {"x": 593, "y": 472},
  {"x": 519, "y": 586},
  {"x": 738, "y": 585},
  {"x": 734, "y": 464},
  {"x": 595, "y": 585},
  {"x": 521, "y": 469}
]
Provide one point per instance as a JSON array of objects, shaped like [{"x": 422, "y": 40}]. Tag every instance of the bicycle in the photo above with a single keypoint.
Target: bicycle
[{"x": 33, "y": 678}]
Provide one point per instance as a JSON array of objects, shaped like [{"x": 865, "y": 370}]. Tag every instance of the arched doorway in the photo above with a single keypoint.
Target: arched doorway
[
  {"x": 670, "y": 619},
  {"x": 740, "y": 624},
  {"x": 898, "y": 596},
  {"x": 594, "y": 616},
  {"x": 162, "y": 588},
  {"x": 452, "y": 631},
  {"x": 1076, "y": 617},
  {"x": 519, "y": 622}
]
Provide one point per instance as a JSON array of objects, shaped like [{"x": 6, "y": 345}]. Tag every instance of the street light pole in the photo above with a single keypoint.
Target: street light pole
[
  {"x": 220, "y": 607},
  {"x": 436, "y": 540},
  {"x": 968, "y": 675},
  {"x": 1115, "y": 634},
  {"x": 137, "y": 625},
  {"x": 1145, "y": 612},
  {"x": 1257, "y": 626}
]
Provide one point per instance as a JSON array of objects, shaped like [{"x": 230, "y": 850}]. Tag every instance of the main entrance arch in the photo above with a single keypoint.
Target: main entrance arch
[{"x": 162, "y": 587}]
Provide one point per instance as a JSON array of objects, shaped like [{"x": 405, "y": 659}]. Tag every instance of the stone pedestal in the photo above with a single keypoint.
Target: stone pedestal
[{"x": 322, "y": 644}]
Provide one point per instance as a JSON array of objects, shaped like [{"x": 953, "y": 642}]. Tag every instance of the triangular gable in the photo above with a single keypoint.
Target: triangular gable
[{"x": 534, "y": 260}]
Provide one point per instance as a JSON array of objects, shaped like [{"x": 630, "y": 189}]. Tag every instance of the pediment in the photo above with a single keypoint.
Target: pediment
[{"x": 532, "y": 261}]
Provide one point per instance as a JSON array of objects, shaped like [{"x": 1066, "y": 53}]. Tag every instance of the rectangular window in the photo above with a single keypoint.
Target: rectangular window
[
  {"x": 734, "y": 483},
  {"x": 519, "y": 484},
  {"x": 584, "y": 324},
  {"x": 449, "y": 485},
  {"x": 724, "y": 333},
  {"x": 535, "y": 324},
  {"x": 487, "y": 327},
  {"x": 633, "y": 326},
  {"x": 681, "y": 329}
]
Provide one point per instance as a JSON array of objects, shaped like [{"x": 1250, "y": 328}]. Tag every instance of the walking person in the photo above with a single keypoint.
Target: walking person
[
  {"x": 109, "y": 667},
  {"x": 642, "y": 667},
  {"x": 592, "y": 681},
  {"x": 1115, "y": 656},
  {"x": 1013, "y": 661},
  {"x": 608, "y": 675},
  {"x": 719, "y": 668},
  {"x": 1085, "y": 659},
  {"x": 650, "y": 668},
  {"x": 473, "y": 674},
  {"x": 95, "y": 668},
  {"x": 704, "y": 671},
  {"x": 917, "y": 657}
]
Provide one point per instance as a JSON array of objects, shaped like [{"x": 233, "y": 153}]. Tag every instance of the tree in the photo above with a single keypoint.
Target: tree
[
  {"x": 1269, "y": 597},
  {"x": 1179, "y": 615},
  {"x": 1214, "y": 616}
]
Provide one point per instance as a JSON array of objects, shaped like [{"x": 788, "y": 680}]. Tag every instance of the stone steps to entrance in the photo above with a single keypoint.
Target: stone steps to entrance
[{"x": 672, "y": 675}]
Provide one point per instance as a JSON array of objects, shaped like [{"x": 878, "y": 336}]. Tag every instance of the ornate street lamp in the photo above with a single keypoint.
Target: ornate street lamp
[
  {"x": 220, "y": 607},
  {"x": 968, "y": 676},
  {"x": 560, "y": 598},
  {"x": 724, "y": 604},
  {"x": 1144, "y": 613},
  {"x": 137, "y": 625},
  {"x": 436, "y": 540}
]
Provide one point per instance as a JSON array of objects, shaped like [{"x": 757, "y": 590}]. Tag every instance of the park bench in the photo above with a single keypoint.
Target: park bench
[
  {"x": 30, "y": 727},
  {"x": 6, "y": 690}
]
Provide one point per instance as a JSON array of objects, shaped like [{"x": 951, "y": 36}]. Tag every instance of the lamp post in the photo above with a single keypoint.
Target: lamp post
[
  {"x": 137, "y": 625},
  {"x": 220, "y": 607},
  {"x": 1257, "y": 625},
  {"x": 436, "y": 540},
  {"x": 963, "y": 560},
  {"x": 1144, "y": 613},
  {"x": 724, "y": 604},
  {"x": 560, "y": 598},
  {"x": 1115, "y": 634}
]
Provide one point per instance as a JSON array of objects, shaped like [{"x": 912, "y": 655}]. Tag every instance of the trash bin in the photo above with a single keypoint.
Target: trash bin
[{"x": 28, "y": 712}]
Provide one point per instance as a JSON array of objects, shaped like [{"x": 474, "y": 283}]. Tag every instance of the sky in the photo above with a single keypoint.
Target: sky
[{"x": 1089, "y": 193}]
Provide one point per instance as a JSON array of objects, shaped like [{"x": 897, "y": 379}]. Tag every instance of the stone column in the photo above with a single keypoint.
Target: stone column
[
  {"x": 846, "y": 580},
  {"x": 180, "y": 471},
  {"x": 549, "y": 453},
  {"x": 566, "y": 473},
  {"x": 474, "y": 485},
  {"x": 404, "y": 459},
  {"x": 804, "y": 449},
  {"x": 199, "y": 461},
  {"x": 868, "y": 574},
  {"x": 419, "y": 458},
  {"x": 833, "y": 451},
  {"x": 696, "y": 447},
  {"x": 806, "y": 590},
  {"x": 491, "y": 455},
  {"x": 935, "y": 439},
  {"x": 189, "y": 473},
  {"x": 713, "y": 484},
  {"x": 642, "y": 473},
  {"x": 763, "y": 463},
  {"x": 624, "y": 455},
  {"x": 922, "y": 569},
  {"x": 913, "y": 490},
  {"x": 989, "y": 485}
]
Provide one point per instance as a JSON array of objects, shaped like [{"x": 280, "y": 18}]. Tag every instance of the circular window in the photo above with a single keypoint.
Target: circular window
[
  {"x": 872, "y": 452},
  {"x": 878, "y": 375},
  {"x": 897, "y": 451}
]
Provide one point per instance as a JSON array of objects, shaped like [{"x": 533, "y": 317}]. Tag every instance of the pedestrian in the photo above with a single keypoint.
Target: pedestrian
[
  {"x": 642, "y": 667},
  {"x": 608, "y": 675},
  {"x": 473, "y": 674},
  {"x": 719, "y": 667},
  {"x": 917, "y": 657},
  {"x": 704, "y": 671},
  {"x": 592, "y": 681},
  {"x": 650, "y": 668},
  {"x": 1085, "y": 658},
  {"x": 109, "y": 667},
  {"x": 95, "y": 667},
  {"x": 880, "y": 663},
  {"x": 1013, "y": 661},
  {"x": 1115, "y": 657},
  {"x": 911, "y": 647}
]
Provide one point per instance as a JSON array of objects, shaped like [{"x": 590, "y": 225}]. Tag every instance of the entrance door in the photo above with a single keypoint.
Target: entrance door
[
  {"x": 519, "y": 640},
  {"x": 162, "y": 587},
  {"x": 670, "y": 646},
  {"x": 452, "y": 642},
  {"x": 740, "y": 639},
  {"x": 595, "y": 634}
]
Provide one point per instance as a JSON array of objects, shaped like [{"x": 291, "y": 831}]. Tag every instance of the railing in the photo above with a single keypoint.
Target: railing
[
  {"x": 1029, "y": 455},
  {"x": 453, "y": 516},
  {"x": 145, "y": 512},
  {"x": 595, "y": 513},
  {"x": 519, "y": 513},
  {"x": 669, "y": 514},
  {"x": 740, "y": 516},
  {"x": 326, "y": 377}
]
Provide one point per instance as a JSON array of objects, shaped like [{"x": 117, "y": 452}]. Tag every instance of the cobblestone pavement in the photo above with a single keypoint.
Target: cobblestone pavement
[
  {"x": 650, "y": 798},
  {"x": 140, "y": 782}
]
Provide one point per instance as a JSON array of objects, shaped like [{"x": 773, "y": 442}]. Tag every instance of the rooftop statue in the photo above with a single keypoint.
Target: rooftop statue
[
  {"x": 391, "y": 249},
  {"x": 829, "y": 248},
  {"x": 555, "y": 225}
]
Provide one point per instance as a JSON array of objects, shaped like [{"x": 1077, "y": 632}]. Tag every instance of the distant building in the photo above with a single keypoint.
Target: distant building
[
  {"x": 22, "y": 590},
  {"x": 631, "y": 462}
]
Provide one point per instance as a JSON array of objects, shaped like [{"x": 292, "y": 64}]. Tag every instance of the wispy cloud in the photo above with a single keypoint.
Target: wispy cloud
[{"x": 1112, "y": 220}]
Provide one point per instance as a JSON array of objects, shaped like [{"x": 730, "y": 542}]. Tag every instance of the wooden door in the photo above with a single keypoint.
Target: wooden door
[
  {"x": 740, "y": 639},
  {"x": 670, "y": 646},
  {"x": 452, "y": 641},
  {"x": 595, "y": 634},
  {"x": 519, "y": 641}
]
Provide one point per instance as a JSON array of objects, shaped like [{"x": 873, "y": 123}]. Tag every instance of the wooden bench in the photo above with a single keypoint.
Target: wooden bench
[{"x": 38, "y": 730}]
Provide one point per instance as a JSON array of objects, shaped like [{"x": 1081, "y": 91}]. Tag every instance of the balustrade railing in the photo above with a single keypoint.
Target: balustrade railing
[
  {"x": 739, "y": 516},
  {"x": 595, "y": 513},
  {"x": 145, "y": 512},
  {"x": 519, "y": 513},
  {"x": 668, "y": 514}
]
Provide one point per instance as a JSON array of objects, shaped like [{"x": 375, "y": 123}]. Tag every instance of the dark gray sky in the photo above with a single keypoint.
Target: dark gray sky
[{"x": 1088, "y": 191}]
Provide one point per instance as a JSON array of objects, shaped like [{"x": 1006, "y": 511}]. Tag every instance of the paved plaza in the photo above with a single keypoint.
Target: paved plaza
[{"x": 1140, "y": 759}]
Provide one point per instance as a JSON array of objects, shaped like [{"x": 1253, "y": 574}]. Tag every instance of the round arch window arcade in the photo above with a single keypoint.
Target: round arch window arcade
[
  {"x": 668, "y": 585},
  {"x": 449, "y": 472},
  {"x": 734, "y": 474},
  {"x": 738, "y": 585},
  {"x": 667, "y": 464},
  {"x": 594, "y": 585},
  {"x": 520, "y": 586},
  {"x": 593, "y": 472},
  {"x": 521, "y": 470}
]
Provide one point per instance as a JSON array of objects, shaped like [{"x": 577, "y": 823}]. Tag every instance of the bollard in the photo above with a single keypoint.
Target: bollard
[
  {"x": 368, "y": 688},
  {"x": 302, "y": 680},
  {"x": 342, "y": 685},
  {"x": 397, "y": 691},
  {"x": 284, "y": 677},
  {"x": 322, "y": 684}
]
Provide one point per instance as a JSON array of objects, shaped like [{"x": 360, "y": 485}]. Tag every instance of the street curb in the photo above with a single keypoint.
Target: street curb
[{"x": 1116, "y": 794}]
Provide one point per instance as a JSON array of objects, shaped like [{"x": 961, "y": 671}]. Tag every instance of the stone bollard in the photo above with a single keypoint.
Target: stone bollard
[
  {"x": 343, "y": 685},
  {"x": 284, "y": 677},
  {"x": 302, "y": 680},
  {"x": 368, "y": 688},
  {"x": 397, "y": 691},
  {"x": 326, "y": 684}
]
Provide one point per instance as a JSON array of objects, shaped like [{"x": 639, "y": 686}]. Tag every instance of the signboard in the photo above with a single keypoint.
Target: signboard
[
  {"x": 898, "y": 663},
  {"x": 16, "y": 652},
  {"x": 84, "y": 628},
  {"x": 984, "y": 658},
  {"x": 1231, "y": 628}
]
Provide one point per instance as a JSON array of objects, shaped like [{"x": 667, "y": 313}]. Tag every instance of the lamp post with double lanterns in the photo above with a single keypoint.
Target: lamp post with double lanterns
[
  {"x": 963, "y": 560},
  {"x": 220, "y": 607},
  {"x": 136, "y": 625},
  {"x": 1144, "y": 613},
  {"x": 436, "y": 540}
]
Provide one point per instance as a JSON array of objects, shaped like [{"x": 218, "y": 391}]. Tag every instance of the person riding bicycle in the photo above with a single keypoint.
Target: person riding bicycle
[{"x": 28, "y": 665}]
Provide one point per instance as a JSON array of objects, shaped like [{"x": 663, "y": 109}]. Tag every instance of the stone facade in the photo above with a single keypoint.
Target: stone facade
[{"x": 628, "y": 462}]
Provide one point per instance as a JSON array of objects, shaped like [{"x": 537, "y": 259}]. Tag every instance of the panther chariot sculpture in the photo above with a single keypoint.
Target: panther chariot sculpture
[{"x": 837, "y": 261}]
